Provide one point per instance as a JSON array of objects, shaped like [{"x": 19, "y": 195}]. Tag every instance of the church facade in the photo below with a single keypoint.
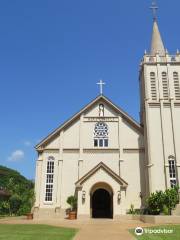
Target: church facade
[{"x": 108, "y": 160}]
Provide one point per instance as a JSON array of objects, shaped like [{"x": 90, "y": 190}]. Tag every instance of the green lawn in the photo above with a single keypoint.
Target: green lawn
[
  {"x": 160, "y": 236},
  {"x": 35, "y": 232}
]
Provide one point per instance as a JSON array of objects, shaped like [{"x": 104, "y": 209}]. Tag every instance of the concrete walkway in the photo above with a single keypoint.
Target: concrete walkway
[
  {"x": 105, "y": 230},
  {"x": 93, "y": 229}
]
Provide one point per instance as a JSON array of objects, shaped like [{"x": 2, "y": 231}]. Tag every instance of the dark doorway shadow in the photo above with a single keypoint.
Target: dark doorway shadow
[{"x": 101, "y": 204}]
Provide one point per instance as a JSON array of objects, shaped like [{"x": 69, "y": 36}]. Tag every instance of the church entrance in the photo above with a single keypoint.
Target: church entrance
[{"x": 101, "y": 204}]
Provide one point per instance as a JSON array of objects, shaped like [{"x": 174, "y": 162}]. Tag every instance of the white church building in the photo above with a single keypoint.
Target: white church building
[{"x": 106, "y": 158}]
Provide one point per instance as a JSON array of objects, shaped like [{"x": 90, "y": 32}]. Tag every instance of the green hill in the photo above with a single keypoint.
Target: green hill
[
  {"x": 21, "y": 192},
  {"x": 8, "y": 173}
]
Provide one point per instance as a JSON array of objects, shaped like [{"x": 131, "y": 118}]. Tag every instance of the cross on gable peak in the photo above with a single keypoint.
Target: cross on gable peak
[{"x": 101, "y": 83}]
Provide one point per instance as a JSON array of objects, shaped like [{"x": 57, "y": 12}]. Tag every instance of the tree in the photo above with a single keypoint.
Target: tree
[
  {"x": 5, "y": 207},
  {"x": 21, "y": 192},
  {"x": 15, "y": 202}
]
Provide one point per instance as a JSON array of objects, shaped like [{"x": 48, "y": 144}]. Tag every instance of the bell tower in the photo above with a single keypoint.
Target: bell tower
[{"x": 160, "y": 113}]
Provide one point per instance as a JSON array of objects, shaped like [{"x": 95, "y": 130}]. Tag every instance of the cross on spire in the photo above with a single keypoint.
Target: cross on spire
[
  {"x": 154, "y": 9},
  {"x": 101, "y": 83}
]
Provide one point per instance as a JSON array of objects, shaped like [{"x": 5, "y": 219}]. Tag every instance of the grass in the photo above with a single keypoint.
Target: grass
[
  {"x": 160, "y": 236},
  {"x": 35, "y": 232}
]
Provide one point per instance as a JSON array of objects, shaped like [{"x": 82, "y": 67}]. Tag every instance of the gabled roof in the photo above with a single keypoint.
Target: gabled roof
[
  {"x": 103, "y": 166},
  {"x": 77, "y": 115}
]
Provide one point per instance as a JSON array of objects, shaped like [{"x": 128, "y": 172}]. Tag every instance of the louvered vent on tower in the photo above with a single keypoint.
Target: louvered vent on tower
[
  {"x": 153, "y": 86},
  {"x": 176, "y": 85},
  {"x": 165, "y": 86}
]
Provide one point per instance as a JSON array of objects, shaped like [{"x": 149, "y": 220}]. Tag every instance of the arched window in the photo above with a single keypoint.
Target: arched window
[
  {"x": 172, "y": 171},
  {"x": 153, "y": 86},
  {"x": 101, "y": 135},
  {"x": 49, "y": 179},
  {"x": 176, "y": 85},
  {"x": 165, "y": 85}
]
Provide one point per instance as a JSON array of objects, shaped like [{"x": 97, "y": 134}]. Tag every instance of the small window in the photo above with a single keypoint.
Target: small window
[
  {"x": 172, "y": 171},
  {"x": 100, "y": 142}
]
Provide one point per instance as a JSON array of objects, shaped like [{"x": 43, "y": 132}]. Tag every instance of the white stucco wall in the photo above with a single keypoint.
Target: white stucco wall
[
  {"x": 160, "y": 119},
  {"x": 75, "y": 155}
]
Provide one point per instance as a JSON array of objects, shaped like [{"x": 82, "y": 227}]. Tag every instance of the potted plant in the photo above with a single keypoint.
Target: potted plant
[
  {"x": 72, "y": 201},
  {"x": 30, "y": 199}
]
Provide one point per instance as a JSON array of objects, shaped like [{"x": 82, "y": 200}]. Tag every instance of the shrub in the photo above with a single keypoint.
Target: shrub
[
  {"x": 72, "y": 201},
  {"x": 155, "y": 203},
  {"x": 28, "y": 200},
  {"x": 162, "y": 202},
  {"x": 171, "y": 198},
  {"x": 131, "y": 210}
]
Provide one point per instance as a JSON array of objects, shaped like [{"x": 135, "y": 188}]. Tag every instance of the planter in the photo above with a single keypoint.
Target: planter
[
  {"x": 29, "y": 216},
  {"x": 72, "y": 215}
]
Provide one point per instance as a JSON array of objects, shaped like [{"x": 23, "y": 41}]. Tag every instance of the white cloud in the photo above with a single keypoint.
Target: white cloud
[
  {"x": 27, "y": 143},
  {"x": 16, "y": 156}
]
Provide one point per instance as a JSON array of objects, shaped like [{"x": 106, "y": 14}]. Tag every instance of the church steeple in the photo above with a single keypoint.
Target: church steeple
[
  {"x": 157, "y": 46},
  {"x": 160, "y": 106}
]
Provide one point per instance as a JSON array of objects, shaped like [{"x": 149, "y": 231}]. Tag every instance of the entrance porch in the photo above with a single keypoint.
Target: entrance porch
[{"x": 101, "y": 194}]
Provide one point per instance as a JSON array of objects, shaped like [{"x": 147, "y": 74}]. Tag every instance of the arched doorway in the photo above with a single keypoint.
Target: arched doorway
[{"x": 101, "y": 201}]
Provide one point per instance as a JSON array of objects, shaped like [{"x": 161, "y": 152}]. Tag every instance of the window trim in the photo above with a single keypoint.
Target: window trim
[
  {"x": 172, "y": 171},
  {"x": 48, "y": 199}
]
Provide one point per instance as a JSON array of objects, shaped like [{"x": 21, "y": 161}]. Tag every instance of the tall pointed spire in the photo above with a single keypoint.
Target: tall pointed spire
[{"x": 157, "y": 45}]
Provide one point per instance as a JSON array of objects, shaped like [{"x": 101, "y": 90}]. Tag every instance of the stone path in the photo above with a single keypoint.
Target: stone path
[{"x": 93, "y": 229}]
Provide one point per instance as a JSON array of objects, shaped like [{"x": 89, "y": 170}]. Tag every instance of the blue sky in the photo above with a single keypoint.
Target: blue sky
[{"x": 52, "y": 53}]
